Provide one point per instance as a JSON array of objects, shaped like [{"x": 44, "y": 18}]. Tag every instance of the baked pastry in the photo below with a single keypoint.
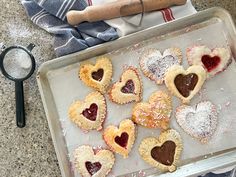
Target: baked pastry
[
  {"x": 154, "y": 114},
  {"x": 97, "y": 76},
  {"x": 90, "y": 113},
  {"x": 154, "y": 65},
  {"x": 214, "y": 61},
  {"x": 163, "y": 152},
  {"x": 121, "y": 139},
  {"x": 128, "y": 89},
  {"x": 185, "y": 84},
  {"x": 199, "y": 121},
  {"x": 93, "y": 163}
]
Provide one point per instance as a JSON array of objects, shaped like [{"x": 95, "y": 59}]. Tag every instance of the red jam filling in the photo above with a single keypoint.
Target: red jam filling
[
  {"x": 98, "y": 75},
  {"x": 129, "y": 87},
  {"x": 91, "y": 112},
  {"x": 122, "y": 140},
  {"x": 93, "y": 167},
  {"x": 210, "y": 63}
]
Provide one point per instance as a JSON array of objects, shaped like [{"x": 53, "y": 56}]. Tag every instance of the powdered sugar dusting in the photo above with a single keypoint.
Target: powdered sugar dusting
[{"x": 199, "y": 121}]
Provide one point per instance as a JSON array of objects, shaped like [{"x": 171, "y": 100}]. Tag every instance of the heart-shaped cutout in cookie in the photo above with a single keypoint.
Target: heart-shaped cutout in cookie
[
  {"x": 128, "y": 89},
  {"x": 154, "y": 114},
  {"x": 154, "y": 65},
  {"x": 184, "y": 84},
  {"x": 121, "y": 139},
  {"x": 93, "y": 168},
  {"x": 199, "y": 121},
  {"x": 163, "y": 152},
  {"x": 97, "y": 76},
  {"x": 89, "y": 114},
  {"x": 214, "y": 61},
  {"x": 89, "y": 162}
]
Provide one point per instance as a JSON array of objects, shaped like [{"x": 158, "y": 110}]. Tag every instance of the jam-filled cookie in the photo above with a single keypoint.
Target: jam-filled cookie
[
  {"x": 93, "y": 163},
  {"x": 128, "y": 89},
  {"x": 163, "y": 152},
  {"x": 121, "y": 139},
  {"x": 154, "y": 114},
  {"x": 184, "y": 84},
  {"x": 90, "y": 113},
  {"x": 199, "y": 121},
  {"x": 214, "y": 61},
  {"x": 154, "y": 64},
  {"x": 97, "y": 76}
]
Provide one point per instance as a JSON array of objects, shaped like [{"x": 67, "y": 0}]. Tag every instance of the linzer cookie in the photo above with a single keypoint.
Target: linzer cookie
[
  {"x": 97, "y": 76},
  {"x": 89, "y": 114},
  {"x": 214, "y": 61},
  {"x": 199, "y": 121},
  {"x": 154, "y": 114},
  {"x": 163, "y": 152},
  {"x": 93, "y": 163},
  {"x": 154, "y": 65},
  {"x": 121, "y": 139},
  {"x": 184, "y": 84},
  {"x": 128, "y": 89}
]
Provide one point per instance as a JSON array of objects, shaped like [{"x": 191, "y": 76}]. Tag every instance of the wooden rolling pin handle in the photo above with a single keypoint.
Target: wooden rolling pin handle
[{"x": 113, "y": 10}]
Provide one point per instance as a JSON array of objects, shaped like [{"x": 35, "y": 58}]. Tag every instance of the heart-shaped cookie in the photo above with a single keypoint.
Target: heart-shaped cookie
[
  {"x": 163, "y": 152},
  {"x": 89, "y": 114},
  {"x": 185, "y": 84},
  {"x": 128, "y": 89},
  {"x": 154, "y": 65},
  {"x": 93, "y": 163},
  {"x": 121, "y": 139},
  {"x": 199, "y": 121},
  {"x": 214, "y": 61},
  {"x": 154, "y": 114},
  {"x": 97, "y": 76}
]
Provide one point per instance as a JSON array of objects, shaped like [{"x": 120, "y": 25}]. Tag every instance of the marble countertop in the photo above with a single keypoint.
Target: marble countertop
[{"x": 29, "y": 152}]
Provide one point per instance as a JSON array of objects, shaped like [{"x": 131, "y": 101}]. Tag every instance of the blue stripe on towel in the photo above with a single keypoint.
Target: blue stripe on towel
[{"x": 51, "y": 16}]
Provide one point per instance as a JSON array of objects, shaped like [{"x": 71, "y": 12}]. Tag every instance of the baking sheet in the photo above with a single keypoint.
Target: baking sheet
[
  {"x": 58, "y": 78},
  {"x": 67, "y": 88}
]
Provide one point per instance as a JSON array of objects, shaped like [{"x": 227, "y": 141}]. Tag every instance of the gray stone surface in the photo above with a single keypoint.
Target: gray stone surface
[{"x": 29, "y": 152}]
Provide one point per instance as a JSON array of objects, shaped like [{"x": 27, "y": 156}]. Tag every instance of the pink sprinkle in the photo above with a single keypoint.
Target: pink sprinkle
[
  {"x": 141, "y": 173},
  {"x": 97, "y": 149},
  {"x": 137, "y": 45},
  {"x": 85, "y": 131},
  {"x": 228, "y": 104},
  {"x": 188, "y": 29}
]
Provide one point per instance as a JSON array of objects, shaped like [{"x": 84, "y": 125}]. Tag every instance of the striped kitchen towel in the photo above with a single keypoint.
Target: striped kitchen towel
[
  {"x": 51, "y": 16},
  {"x": 127, "y": 25}
]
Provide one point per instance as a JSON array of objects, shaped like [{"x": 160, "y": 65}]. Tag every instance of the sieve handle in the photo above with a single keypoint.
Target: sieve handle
[{"x": 20, "y": 107}]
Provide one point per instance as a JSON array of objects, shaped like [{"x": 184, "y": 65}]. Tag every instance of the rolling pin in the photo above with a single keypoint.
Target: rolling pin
[{"x": 118, "y": 8}]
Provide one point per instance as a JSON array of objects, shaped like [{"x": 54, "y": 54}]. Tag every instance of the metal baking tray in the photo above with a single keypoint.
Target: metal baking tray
[{"x": 59, "y": 87}]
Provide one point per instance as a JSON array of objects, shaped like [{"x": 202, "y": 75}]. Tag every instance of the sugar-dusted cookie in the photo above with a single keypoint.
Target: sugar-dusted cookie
[
  {"x": 184, "y": 84},
  {"x": 90, "y": 113},
  {"x": 199, "y": 121},
  {"x": 128, "y": 88},
  {"x": 121, "y": 139},
  {"x": 214, "y": 61},
  {"x": 154, "y": 114},
  {"x": 93, "y": 163},
  {"x": 163, "y": 152},
  {"x": 97, "y": 76},
  {"x": 154, "y": 64}
]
